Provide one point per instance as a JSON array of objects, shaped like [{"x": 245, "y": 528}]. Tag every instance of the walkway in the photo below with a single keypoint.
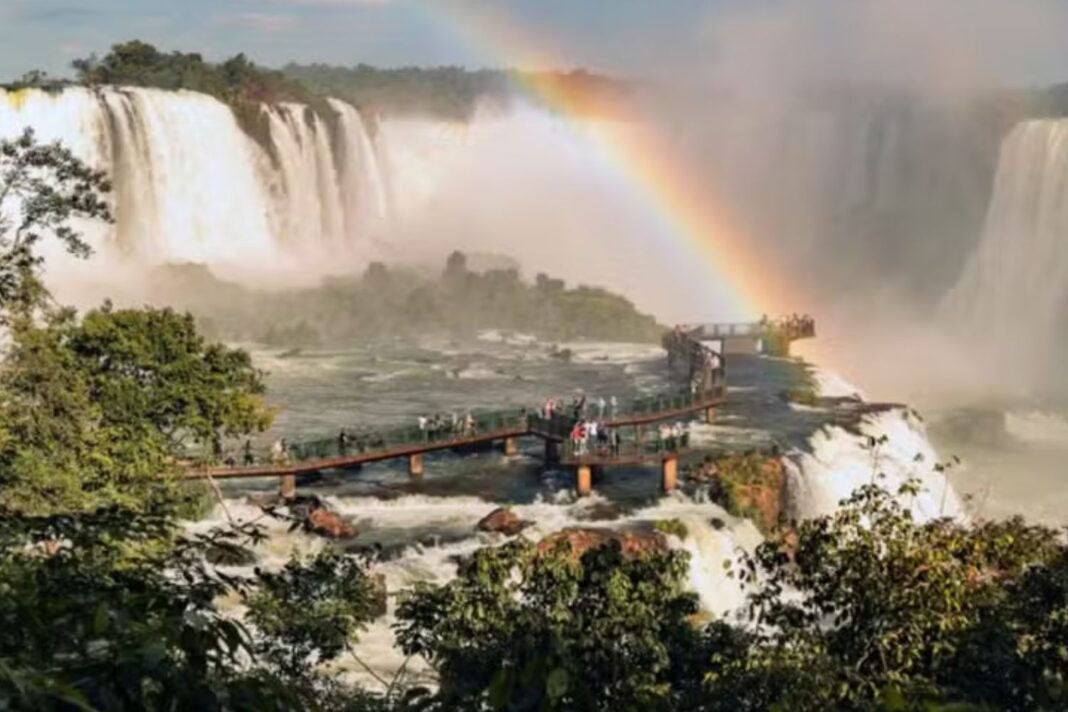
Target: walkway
[{"x": 705, "y": 389}]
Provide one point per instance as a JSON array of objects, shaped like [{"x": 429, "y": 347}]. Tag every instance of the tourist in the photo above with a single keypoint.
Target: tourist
[
  {"x": 248, "y": 459},
  {"x": 617, "y": 442},
  {"x": 424, "y": 433},
  {"x": 601, "y": 405},
  {"x": 469, "y": 425},
  {"x": 278, "y": 451},
  {"x": 342, "y": 444}
]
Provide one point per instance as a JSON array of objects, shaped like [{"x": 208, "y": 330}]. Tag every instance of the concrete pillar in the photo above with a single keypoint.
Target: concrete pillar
[
  {"x": 669, "y": 474},
  {"x": 415, "y": 465},
  {"x": 710, "y": 416},
  {"x": 288, "y": 488},
  {"x": 583, "y": 480},
  {"x": 511, "y": 446}
]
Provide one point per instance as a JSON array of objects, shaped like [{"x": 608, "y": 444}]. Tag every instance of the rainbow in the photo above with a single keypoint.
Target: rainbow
[{"x": 657, "y": 177}]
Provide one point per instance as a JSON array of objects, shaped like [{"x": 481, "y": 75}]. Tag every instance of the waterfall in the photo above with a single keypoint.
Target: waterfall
[
  {"x": 191, "y": 185},
  {"x": 1013, "y": 290}
]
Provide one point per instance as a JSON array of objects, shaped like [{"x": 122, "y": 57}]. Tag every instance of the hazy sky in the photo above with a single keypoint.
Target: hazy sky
[
  {"x": 633, "y": 36},
  {"x": 631, "y": 33}
]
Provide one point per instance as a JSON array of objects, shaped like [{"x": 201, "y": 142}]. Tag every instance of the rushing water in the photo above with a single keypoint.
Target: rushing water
[{"x": 422, "y": 526}]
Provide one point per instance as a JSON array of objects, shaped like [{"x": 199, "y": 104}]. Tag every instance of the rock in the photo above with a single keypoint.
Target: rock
[
  {"x": 632, "y": 543},
  {"x": 503, "y": 520},
  {"x": 318, "y": 518},
  {"x": 717, "y": 523},
  {"x": 328, "y": 524},
  {"x": 229, "y": 555}
]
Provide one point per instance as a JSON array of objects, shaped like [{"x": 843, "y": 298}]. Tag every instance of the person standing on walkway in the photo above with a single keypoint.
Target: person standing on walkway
[
  {"x": 601, "y": 405},
  {"x": 248, "y": 459},
  {"x": 613, "y": 405},
  {"x": 342, "y": 444},
  {"x": 278, "y": 449},
  {"x": 422, "y": 428}
]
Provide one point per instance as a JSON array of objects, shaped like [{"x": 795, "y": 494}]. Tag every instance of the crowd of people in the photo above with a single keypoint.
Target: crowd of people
[
  {"x": 792, "y": 325},
  {"x": 588, "y": 419},
  {"x": 446, "y": 426},
  {"x": 592, "y": 437}
]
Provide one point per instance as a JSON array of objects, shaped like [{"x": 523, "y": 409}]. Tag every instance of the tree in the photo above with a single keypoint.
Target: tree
[
  {"x": 521, "y": 629},
  {"x": 43, "y": 187},
  {"x": 867, "y": 607},
  {"x": 99, "y": 411},
  {"x": 111, "y": 610}
]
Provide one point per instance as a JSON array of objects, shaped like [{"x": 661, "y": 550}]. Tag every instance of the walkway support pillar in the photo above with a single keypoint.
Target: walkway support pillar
[
  {"x": 669, "y": 479},
  {"x": 552, "y": 452},
  {"x": 288, "y": 489},
  {"x": 511, "y": 447},
  {"x": 415, "y": 465},
  {"x": 583, "y": 480},
  {"x": 710, "y": 415}
]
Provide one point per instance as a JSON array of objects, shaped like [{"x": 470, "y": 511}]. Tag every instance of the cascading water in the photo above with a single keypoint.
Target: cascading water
[
  {"x": 190, "y": 185},
  {"x": 1013, "y": 290}
]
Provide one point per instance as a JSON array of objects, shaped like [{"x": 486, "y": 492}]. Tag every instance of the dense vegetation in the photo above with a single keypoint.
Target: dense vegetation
[
  {"x": 106, "y": 603},
  {"x": 388, "y": 302},
  {"x": 237, "y": 81},
  {"x": 454, "y": 92}
]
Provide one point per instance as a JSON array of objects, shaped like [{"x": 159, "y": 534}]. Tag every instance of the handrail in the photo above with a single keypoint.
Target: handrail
[{"x": 362, "y": 446}]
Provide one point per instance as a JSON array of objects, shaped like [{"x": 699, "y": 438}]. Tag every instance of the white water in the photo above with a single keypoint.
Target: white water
[
  {"x": 1012, "y": 293},
  {"x": 190, "y": 185},
  {"x": 839, "y": 462}
]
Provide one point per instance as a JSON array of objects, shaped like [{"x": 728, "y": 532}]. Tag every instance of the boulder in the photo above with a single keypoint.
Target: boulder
[
  {"x": 502, "y": 520},
  {"x": 328, "y": 524},
  {"x": 317, "y": 518},
  {"x": 633, "y": 543}
]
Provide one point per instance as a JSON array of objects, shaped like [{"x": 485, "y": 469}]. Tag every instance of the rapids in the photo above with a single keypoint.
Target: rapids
[{"x": 421, "y": 527}]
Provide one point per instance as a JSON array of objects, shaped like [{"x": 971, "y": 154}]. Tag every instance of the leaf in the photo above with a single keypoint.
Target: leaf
[
  {"x": 556, "y": 684},
  {"x": 100, "y": 619}
]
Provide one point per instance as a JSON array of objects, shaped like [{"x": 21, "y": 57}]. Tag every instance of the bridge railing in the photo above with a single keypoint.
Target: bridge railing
[
  {"x": 369, "y": 443},
  {"x": 598, "y": 450}
]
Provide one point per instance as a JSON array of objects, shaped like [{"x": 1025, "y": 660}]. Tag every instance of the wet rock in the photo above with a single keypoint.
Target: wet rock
[
  {"x": 633, "y": 543},
  {"x": 328, "y": 524},
  {"x": 717, "y": 523},
  {"x": 503, "y": 520},
  {"x": 317, "y": 518},
  {"x": 229, "y": 555}
]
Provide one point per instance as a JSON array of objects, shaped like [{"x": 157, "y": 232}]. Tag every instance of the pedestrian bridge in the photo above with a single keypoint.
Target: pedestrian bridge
[{"x": 704, "y": 391}]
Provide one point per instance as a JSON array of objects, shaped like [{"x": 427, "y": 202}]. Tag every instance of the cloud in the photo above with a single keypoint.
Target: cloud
[
  {"x": 265, "y": 22},
  {"x": 57, "y": 14}
]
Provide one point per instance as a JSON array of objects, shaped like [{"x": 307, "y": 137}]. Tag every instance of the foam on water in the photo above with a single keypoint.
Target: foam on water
[{"x": 839, "y": 462}]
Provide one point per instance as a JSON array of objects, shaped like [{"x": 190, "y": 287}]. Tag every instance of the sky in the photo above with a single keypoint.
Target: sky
[
  {"x": 626, "y": 34},
  {"x": 638, "y": 37}
]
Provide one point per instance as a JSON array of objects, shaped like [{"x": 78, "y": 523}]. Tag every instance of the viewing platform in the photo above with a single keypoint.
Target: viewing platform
[{"x": 690, "y": 356}]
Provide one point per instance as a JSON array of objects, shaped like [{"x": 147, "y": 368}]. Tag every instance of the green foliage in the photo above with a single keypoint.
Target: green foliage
[
  {"x": 881, "y": 606},
  {"x": 43, "y": 188},
  {"x": 451, "y": 92},
  {"x": 523, "y": 629},
  {"x": 674, "y": 527},
  {"x": 93, "y": 619},
  {"x": 315, "y": 608},
  {"x": 389, "y": 302},
  {"x": 237, "y": 81},
  {"x": 97, "y": 411}
]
